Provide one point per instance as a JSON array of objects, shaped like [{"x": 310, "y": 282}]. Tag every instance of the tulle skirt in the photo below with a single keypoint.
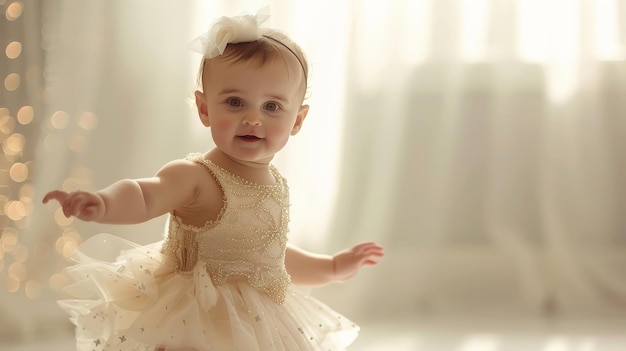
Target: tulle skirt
[{"x": 130, "y": 297}]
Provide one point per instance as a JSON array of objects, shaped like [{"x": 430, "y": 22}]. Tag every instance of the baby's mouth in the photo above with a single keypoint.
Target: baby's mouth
[{"x": 249, "y": 137}]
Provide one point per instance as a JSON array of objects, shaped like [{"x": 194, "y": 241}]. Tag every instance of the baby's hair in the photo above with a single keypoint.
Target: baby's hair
[{"x": 272, "y": 45}]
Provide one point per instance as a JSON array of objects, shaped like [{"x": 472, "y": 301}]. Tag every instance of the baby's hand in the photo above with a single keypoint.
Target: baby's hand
[
  {"x": 348, "y": 262},
  {"x": 83, "y": 205}
]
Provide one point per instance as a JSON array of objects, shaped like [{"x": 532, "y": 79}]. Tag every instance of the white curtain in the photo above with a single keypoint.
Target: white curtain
[
  {"x": 480, "y": 141},
  {"x": 483, "y": 144}
]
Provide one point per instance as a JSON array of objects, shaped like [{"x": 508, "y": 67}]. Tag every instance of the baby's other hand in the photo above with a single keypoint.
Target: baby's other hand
[
  {"x": 348, "y": 262},
  {"x": 84, "y": 205}
]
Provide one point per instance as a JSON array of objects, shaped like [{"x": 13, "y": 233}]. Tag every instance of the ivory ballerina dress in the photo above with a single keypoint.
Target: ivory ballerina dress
[{"x": 220, "y": 287}]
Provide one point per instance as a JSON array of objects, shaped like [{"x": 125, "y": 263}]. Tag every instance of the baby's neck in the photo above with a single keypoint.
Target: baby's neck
[{"x": 255, "y": 172}]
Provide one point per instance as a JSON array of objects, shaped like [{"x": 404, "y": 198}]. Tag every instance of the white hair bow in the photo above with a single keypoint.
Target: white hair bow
[{"x": 225, "y": 30}]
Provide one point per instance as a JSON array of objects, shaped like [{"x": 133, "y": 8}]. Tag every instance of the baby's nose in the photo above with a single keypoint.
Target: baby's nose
[{"x": 252, "y": 119}]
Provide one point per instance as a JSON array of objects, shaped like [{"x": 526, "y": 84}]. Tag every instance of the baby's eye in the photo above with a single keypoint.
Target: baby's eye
[
  {"x": 234, "y": 102},
  {"x": 272, "y": 106}
]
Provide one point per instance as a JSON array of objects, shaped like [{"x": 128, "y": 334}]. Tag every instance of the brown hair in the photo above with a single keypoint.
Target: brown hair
[{"x": 269, "y": 47}]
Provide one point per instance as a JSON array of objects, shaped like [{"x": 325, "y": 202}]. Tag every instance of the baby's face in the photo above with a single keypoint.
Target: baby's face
[{"x": 252, "y": 109}]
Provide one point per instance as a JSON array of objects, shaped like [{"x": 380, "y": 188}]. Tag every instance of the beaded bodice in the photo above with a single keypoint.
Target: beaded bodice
[{"x": 246, "y": 242}]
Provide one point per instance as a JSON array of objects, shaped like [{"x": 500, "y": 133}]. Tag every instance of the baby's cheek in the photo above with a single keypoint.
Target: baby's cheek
[
  {"x": 223, "y": 124},
  {"x": 281, "y": 133}
]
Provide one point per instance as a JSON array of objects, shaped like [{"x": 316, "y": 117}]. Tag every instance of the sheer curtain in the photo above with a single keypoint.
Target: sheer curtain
[
  {"x": 483, "y": 144},
  {"x": 481, "y": 141}
]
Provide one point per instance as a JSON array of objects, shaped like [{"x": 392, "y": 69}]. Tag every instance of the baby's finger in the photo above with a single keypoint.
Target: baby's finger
[
  {"x": 370, "y": 262},
  {"x": 360, "y": 248},
  {"x": 58, "y": 195},
  {"x": 67, "y": 211},
  {"x": 364, "y": 245},
  {"x": 374, "y": 251}
]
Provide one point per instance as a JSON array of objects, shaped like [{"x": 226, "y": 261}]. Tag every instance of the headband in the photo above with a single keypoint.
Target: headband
[{"x": 232, "y": 30}]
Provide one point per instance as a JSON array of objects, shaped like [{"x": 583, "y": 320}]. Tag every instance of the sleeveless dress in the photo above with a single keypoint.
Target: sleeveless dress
[{"x": 220, "y": 287}]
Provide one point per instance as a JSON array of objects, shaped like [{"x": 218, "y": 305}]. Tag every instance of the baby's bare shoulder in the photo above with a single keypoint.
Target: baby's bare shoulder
[
  {"x": 207, "y": 199},
  {"x": 182, "y": 167}
]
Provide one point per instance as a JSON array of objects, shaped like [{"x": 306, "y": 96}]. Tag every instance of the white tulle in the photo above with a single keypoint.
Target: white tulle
[{"x": 129, "y": 297}]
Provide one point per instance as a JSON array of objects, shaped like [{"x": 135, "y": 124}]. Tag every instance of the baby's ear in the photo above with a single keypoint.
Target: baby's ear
[
  {"x": 202, "y": 108},
  {"x": 302, "y": 112}
]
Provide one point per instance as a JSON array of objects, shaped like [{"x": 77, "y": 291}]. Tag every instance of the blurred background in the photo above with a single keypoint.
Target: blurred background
[{"x": 482, "y": 142}]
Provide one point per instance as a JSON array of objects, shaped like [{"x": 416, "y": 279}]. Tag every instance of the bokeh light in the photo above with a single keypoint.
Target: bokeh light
[
  {"x": 14, "y": 144},
  {"x": 25, "y": 115},
  {"x": 59, "y": 280},
  {"x": 60, "y": 218},
  {"x": 33, "y": 290},
  {"x": 88, "y": 121},
  {"x": 14, "y": 11},
  {"x": 15, "y": 210},
  {"x": 12, "y": 82},
  {"x": 69, "y": 248},
  {"x": 28, "y": 204},
  {"x": 67, "y": 243},
  {"x": 13, "y": 49},
  {"x": 7, "y": 124},
  {"x": 59, "y": 120},
  {"x": 18, "y": 172},
  {"x": 8, "y": 240}
]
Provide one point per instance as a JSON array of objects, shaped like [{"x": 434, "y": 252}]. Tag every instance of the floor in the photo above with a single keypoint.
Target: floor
[
  {"x": 495, "y": 335},
  {"x": 455, "y": 335}
]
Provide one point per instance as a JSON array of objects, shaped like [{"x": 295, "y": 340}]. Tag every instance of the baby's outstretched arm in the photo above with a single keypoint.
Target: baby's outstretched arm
[
  {"x": 123, "y": 202},
  {"x": 308, "y": 268},
  {"x": 131, "y": 201}
]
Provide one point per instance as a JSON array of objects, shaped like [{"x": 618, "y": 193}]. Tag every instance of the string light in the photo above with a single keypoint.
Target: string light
[{"x": 32, "y": 268}]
